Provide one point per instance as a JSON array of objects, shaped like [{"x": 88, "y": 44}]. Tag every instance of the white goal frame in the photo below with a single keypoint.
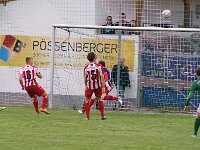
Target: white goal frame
[{"x": 54, "y": 26}]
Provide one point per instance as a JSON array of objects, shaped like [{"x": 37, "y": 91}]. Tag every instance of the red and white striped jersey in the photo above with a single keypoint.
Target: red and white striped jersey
[
  {"x": 93, "y": 74},
  {"x": 29, "y": 74}
]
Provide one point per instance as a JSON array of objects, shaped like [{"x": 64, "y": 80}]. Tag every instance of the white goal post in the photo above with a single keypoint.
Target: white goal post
[{"x": 67, "y": 27}]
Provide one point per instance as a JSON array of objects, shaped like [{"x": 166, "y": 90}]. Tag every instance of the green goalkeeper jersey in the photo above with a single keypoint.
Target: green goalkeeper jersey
[{"x": 195, "y": 87}]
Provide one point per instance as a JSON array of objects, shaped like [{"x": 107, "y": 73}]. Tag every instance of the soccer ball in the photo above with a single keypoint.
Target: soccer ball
[{"x": 166, "y": 13}]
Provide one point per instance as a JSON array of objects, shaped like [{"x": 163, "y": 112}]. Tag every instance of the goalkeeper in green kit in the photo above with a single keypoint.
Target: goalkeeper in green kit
[{"x": 195, "y": 87}]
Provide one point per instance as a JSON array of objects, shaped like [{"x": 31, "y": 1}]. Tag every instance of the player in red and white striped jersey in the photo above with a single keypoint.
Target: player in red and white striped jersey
[
  {"x": 27, "y": 79},
  {"x": 93, "y": 73},
  {"x": 105, "y": 91},
  {"x": 94, "y": 81}
]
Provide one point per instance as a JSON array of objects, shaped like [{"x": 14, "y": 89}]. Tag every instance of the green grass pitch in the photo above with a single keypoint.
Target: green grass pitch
[{"x": 21, "y": 129}]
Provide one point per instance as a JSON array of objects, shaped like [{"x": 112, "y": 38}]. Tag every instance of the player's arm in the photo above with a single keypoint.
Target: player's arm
[
  {"x": 190, "y": 96},
  {"x": 21, "y": 81},
  {"x": 38, "y": 74},
  {"x": 102, "y": 77},
  {"x": 106, "y": 78}
]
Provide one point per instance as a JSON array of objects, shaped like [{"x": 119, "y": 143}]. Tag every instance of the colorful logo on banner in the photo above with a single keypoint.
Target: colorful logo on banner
[
  {"x": 10, "y": 43},
  {"x": 169, "y": 67}
]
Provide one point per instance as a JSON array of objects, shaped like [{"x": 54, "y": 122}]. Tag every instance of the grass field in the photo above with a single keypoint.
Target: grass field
[{"x": 21, "y": 129}]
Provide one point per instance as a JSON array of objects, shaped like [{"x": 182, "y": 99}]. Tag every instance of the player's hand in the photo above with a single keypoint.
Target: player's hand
[
  {"x": 109, "y": 88},
  {"x": 23, "y": 88},
  {"x": 103, "y": 90},
  {"x": 185, "y": 109}
]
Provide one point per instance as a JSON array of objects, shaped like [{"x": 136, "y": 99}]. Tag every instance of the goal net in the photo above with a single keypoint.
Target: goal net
[
  {"x": 70, "y": 57},
  {"x": 161, "y": 62}
]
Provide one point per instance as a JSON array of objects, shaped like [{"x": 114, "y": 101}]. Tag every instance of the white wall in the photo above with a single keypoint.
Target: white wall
[{"x": 35, "y": 17}]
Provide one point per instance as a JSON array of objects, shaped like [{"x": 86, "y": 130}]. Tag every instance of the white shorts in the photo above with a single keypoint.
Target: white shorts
[{"x": 198, "y": 109}]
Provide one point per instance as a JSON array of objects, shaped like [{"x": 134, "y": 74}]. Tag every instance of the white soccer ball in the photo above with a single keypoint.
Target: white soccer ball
[{"x": 166, "y": 13}]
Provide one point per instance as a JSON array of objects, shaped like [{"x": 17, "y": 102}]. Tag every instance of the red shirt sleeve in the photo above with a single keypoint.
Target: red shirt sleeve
[{"x": 106, "y": 76}]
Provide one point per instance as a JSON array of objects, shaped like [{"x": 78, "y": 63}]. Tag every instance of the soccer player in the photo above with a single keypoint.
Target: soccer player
[
  {"x": 27, "y": 80},
  {"x": 94, "y": 82},
  {"x": 106, "y": 89},
  {"x": 195, "y": 87}
]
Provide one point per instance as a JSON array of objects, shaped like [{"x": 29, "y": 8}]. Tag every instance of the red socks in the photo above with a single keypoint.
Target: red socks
[
  {"x": 101, "y": 108},
  {"x": 35, "y": 104},
  {"x": 44, "y": 102},
  {"x": 109, "y": 97},
  {"x": 87, "y": 109},
  {"x": 91, "y": 103}
]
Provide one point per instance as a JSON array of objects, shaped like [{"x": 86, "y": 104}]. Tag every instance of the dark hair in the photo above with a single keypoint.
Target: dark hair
[
  {"x": 91, "y": 56},
  {"x": 28, "y": 58},
  {"x": 123, "y": 14},
  {"x": 198, "y": 71},
  {"x": 102, "y": 63},
  {"x": 109, "y": 16}
]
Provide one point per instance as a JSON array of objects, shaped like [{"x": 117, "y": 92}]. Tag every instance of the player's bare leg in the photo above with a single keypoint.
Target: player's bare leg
[
  {"x": 35, "y": 103},
  {"x": 44, "y": 103}
]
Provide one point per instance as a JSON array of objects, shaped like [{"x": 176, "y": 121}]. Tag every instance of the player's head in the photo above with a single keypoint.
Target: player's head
[
  {"x": 102, "y": 63},
  {"x": 91, "y": 57},
  {"x": 29, "y": 60},
  {"x": 198, "y": 72},
  {"x": 122, "y": 60}
]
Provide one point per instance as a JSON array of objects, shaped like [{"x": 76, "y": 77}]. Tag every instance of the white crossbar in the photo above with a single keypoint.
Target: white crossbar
[{"x": 127, "y": 28}]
